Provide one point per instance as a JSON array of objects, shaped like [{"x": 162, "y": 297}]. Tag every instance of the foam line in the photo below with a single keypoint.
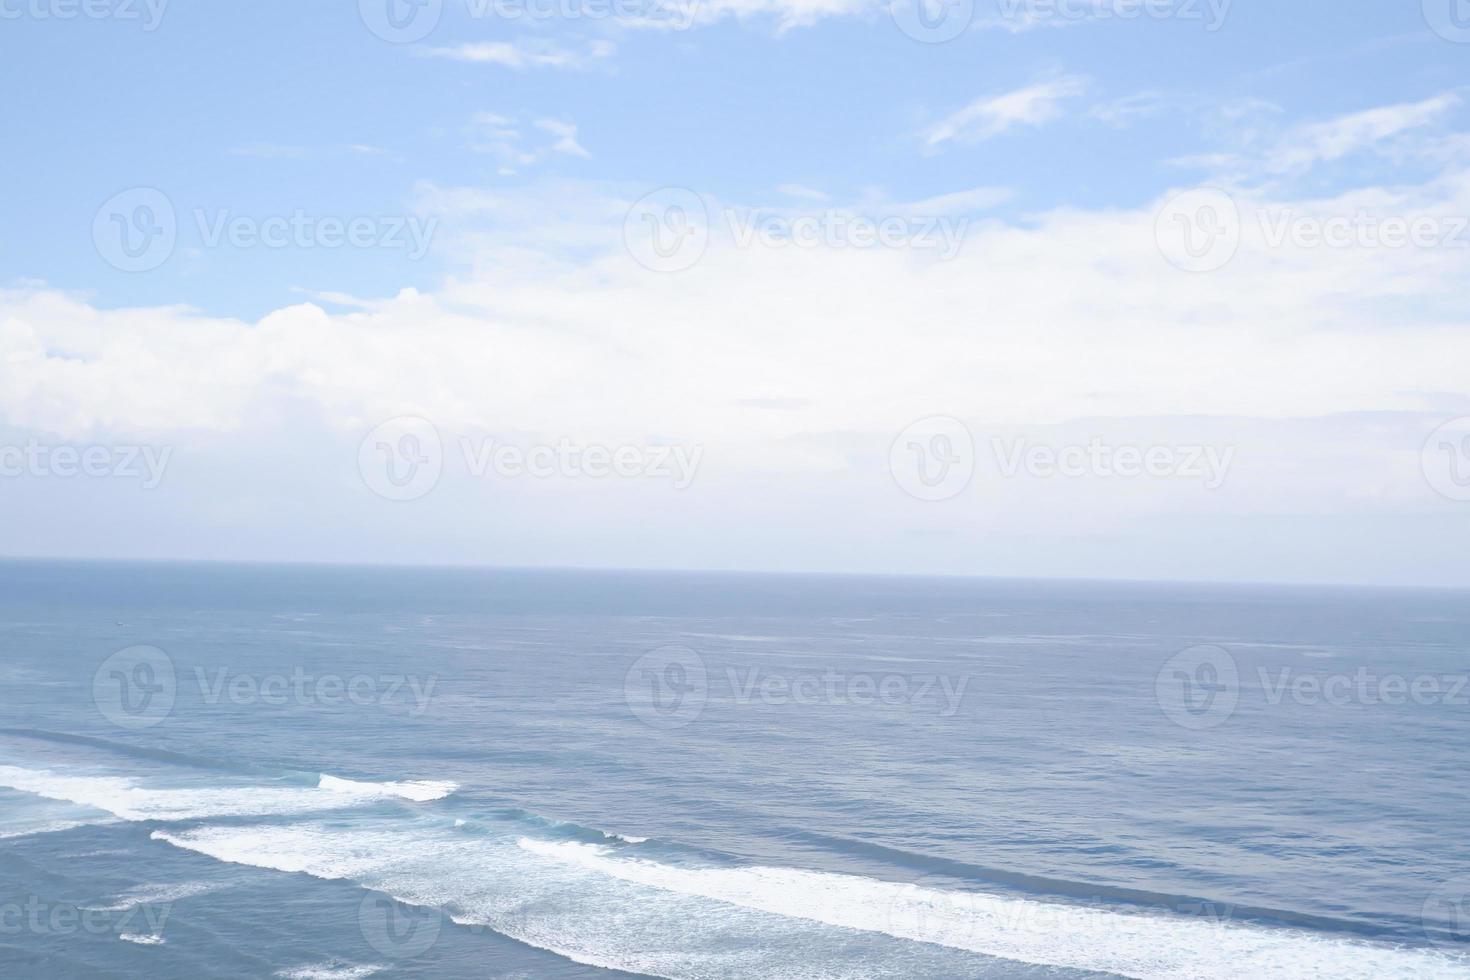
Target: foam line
[
  {"x": 1151, "y": 946},
  {"x": 125, "y": 798},
  {"x": 592, "y": 904}
]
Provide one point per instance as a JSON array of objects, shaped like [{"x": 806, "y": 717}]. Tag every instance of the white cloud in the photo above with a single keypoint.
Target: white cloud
[
  {"x": 1279, "y": 333},
  {"x": 1254, "y": 147},
  {"x": 525, "y": 53},
  {"x": 1237, "y": 109},
  {"x": 679, "y": 15},
  {"x": 566, "y": 137},
  {"x": 1324, "y": 142},
  {"x": 1232, "y": 116},
  {"x": 1215, "y": 162},
  {"x": 992, "y": 115},
  {"x": 272, "y": 151},
  {"x": 1324, "y": 368},
  {"x": 1142, "y": 105},
  {"x": 961, "y": 202},
  {"x": 1016, "y": 17},
  {"x": 1020, "y": 16},
  {"x": 788, "y": 14},
  {"x": 502, "y": 137}
]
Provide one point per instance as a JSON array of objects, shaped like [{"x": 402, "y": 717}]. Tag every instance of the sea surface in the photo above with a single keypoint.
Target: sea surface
[{"x": 328, "y": 772}]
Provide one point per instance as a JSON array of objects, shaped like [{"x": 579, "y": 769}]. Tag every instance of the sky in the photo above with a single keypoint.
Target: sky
[{"x": 1160, "y": 289}]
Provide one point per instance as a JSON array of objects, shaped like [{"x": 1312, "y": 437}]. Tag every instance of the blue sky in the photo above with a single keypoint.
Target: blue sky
[
  {"x": 1049, "y": 139},
  {"x": 256, "y": 108}
]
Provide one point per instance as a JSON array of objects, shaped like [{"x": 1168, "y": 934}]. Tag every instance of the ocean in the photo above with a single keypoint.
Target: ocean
[{"x": 212, "y": 770}]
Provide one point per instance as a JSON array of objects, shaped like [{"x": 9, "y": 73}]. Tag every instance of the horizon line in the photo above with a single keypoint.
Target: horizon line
[{"x": 770, "y": 573}]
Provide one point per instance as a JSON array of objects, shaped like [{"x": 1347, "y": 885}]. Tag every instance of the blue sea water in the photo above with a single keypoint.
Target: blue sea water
[{"x": 322, "y": 772}]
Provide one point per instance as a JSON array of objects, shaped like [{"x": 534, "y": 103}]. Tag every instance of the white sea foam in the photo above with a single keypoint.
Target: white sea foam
[
  {"x": 583, "y": 916},
  {"x": 625, "y": 838},
  {"x": 26, "y": 815},
  {"x": 593, "y": 904},
  {"x": 141, "y": 939},
  {"x": 123, "y": 797},
  {"x": 420, "y": 791},
  {"x": 102, "y": 852},
  {"x": 156, "y": 894},
  {"x": 1047, "y": 934},
  {"x": 302, "y": 848},
  {"x": 329, "y": 971},
  {"x": 50, "y": 827}
]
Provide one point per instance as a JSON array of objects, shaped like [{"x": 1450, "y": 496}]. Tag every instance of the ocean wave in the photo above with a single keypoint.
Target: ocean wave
[
  {"x": 420, "y": 791},
  {"x": 156, "y": 894},
  {"x": 484, "y": 882},
  {"x": 142, "y": 939},
  {"x": 100, "y": 852},
  {"x": 52, "y": 827},
  {"x": 594, "y": 904},
  {"x": 330, "y": 971},
  {"x": 1046, "y": 934},
  {"x": 1076, "y": 892},
  {"x": 125, "y": 798},
  {"x": 129, "y": 750}
]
